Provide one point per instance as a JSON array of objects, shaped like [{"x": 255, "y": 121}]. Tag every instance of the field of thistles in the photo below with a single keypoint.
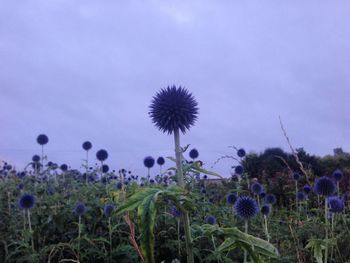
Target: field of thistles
[{"x": 275, "y": 206}]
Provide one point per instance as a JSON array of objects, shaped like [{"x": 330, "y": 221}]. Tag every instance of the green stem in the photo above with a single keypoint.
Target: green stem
[
  {"x": 266, "y": 229},
  {"x": 181, "y": 183},
  {"x": 296, "y": 196},
  {"x": 30, "y": 229},
  {"x": 178, "y": 238},
  {"x": 338, "y": 188},
  {"x": 110, "y": 238},
  {"x": 79, "y": 235},
  {"x": 332, "y": 235},
  {"x": 326, "y": 225},
  {"x": 245, "y": 231}
]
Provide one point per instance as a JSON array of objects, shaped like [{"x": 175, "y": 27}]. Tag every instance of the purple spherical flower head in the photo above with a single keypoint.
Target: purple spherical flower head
[
  {"x": 194, "y": 154},
  {"x": 27, "y": 201},
  {"x": 211, "y": 220},
  {"x": 241, "y": 153},
  {"x": 173, "y": 109},
  {"x": 246, "y": 207},
  {"x": 42, "y": 139},
  {"x": 324, "y": 186},
  {"x": 108, "y": 209},
  {"x": 87, "y": 145},
  {"x": 257, "y": 188},
  {"x": 148, "y": 162},
  {"x": 160, "y": 160},
  {"x": 270, "y": 199},
  {"x": 102, "y": 155},
  {"x": 337, "y": 175},
  {"x": 336, "y": 204}
]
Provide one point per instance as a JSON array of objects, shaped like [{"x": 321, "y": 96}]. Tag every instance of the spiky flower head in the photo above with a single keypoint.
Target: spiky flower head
[
  {"x": 324, "y": 186},
  {"x": 148, "y": 162},
  {"x": 246, "y": 207},
  {"x": 160, "y": 161},
  {"x": 265, "y": 209},
  {"x": 336, "y": 204},
  {"x": 108, "y": 209},
  {"x": 64, "y": 167},
  {"x": 173, "y": 109},
  {"x": 80, "y": 209},
  {"x": 42, "y": 139},
  {"x": 194, "y": 154},
  {"x": 307, "y": 189},
  {"x": 102, "y": 155},
  {"x": 241, "y": 153},
  {"x": 175, "y": 212},
  {"x": 87, "y": 145},
  {"x": 296, "y": 176},
  {"x": 105, "y": 168},
  {"x": 231, "y": 198},
  {"x": 36, "y": 158},
  {"x": 270, "y": 199},
  {"x": 211, "y": 220},
  {"x": 337, "y": 175},
  {"x": 301, "y": 196},
  {"x": 262, "y": 195},
  {"x": 257, "y": 188},
  {"x": 239, "y": 169},
  {"x": 27, "y": 201}
]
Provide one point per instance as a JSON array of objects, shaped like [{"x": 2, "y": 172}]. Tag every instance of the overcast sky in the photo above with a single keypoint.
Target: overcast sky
[{"x": 87, "y": 70}]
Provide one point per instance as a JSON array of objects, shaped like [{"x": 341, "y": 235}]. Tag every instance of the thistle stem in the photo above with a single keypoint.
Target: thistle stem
[
  {"x": 30, "y": 229},
  {"x": 266, "y": 229},
  {"x": 245, "y": 231},
  {"x": 79, "y": 235},
  {"x": 110, "y": 238},
  {"x": 326, "y": 226},
  {"x": 181, "y": 183}
]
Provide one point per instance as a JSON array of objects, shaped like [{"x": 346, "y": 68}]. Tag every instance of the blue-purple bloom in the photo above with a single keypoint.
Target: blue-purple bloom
[
  {"x": 265, "y": 209},
  {"x": 108, "y": 209},
  {"x": 336, "y": 204},
  {"x": 337, "y": 175},
  {"x": 27, "y": 201},
  {"x": 231, "y": 198},
  {"x": 270, "y": 199},
  {"x": 80, "y": 209},
  {"x": 194, "y": 154},
  {"x": 257, "y": 188},
  {"x": 324, "y": 186},
  {"x": 102, "y": 155},
  {"x": 42, "y": 139},
  {"x": 148, "y": 162},
  {"x": 246, "y": 207},
  {"x": 173, "y": 109},
  {"x": 241, "y": 153},
  {"x": 211, "y": 220}
]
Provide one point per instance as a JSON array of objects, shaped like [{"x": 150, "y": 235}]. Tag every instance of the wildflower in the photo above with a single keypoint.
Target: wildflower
[
  {"x": 246, "y": 207},
  {"x": 27, "y": 201},
  {"x": 324, "y": 186}
]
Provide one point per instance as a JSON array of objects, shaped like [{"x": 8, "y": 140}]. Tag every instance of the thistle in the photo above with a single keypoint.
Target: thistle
[{"x": 173, "y": 110}]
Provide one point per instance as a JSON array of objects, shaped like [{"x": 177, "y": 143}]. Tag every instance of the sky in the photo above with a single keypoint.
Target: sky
[{"x": 87, "y": 70}]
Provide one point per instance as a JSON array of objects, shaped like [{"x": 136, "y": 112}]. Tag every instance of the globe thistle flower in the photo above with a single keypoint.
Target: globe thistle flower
[
  {"x": 42, "y": 139},
  {"x": 262, "y": 195},
  {"x": 231, "y": 198},
  {"x": 160, "y": 161},
  {"x": 241, "y": 153},
  {"x": 20, "y": 186},
  {"x": 102, "y": 155},
  {"x": 211, "y": 220},
  {"x": 105, "y": 168},
  {"x": 270, "y": 199},
  {"x": 324, "y": 186},
  {"x": 337, "y": 175},
  {"x": 194, "y": 154},
  {"x": 175, "y": 212},
  {"x": 119, "y": 185},
  {"x": 36, "y": 158},
  {"x": 173, "y": 109},
  {"x": 64, "y": 167},
  {"x": 21, "y": 175},
  {"x": 205, "y": 177},
  {"x": 301, "y": 196},
  {"x": 148, "y": 162},
  {"x": 203, "y": 191},
  {"x": 239, "y": 169},
  {"x": 151, "y": 181},
  {"x": 336, "y": 204},
  {"x": 307, "y": 189},
  {"x": 256, "y": 188},
  {"x": 265, "y": 209},
  {"x": 87, "y": 145},
  {"x": 296, "y": 176},
  {"x": 108, "y": 209},
  {"x": 27, "y": 201},
  {"x": 246, "y": 207},
  {"x": 80, "y": 209}
]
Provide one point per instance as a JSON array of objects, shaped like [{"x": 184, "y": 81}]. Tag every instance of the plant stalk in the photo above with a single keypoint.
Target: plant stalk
[{"x": 181, "y": 183}]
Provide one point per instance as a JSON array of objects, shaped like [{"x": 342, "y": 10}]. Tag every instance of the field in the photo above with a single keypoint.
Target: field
[{"x": 273, "y": 209}]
